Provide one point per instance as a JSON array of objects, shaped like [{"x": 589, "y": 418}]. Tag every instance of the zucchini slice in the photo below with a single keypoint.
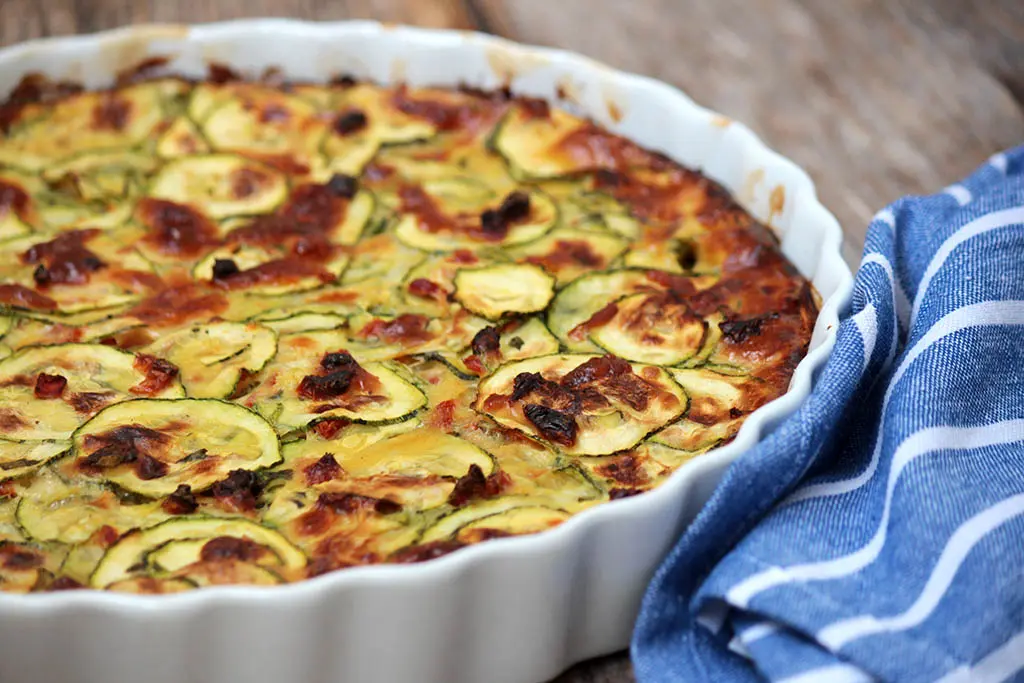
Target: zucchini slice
[
  {"x": 31, "y": 332},
  {"x": 25, "y": 567},
  {"x": 228, "y": 572},
  {"x": 673, "y": 256},
  {"x": 17, "y": 204},
  {"x": 81, "y": 561},
  {"x": 182, "y": 138},
  {"x": 133, "y": 549},
  {"x": 514, "y": 522},
  {"x": 21, "y": 457},
  {"x": 580, "y": 300},
  {"x": 456, "y": 224},
  {"x": 694, "y": 437},
  {"x": 52, "y": 509},
  {"x": 496, "y": 291},
  {"x": 305, "y": 322},
  {"x": 88, "y": 121},
  {"x": 593, "y": 211},
  {"x": 568, "y": 253},
  {"x": 530, "y": 144},
  {"x": 390, "y": 398},
  {"x": 111, "y": 174},
  {"x": 349, "y": 149},
  {"x": 648, "y": 329},
  {"x": 534, "y": 518},
  {"x": 528, "y": 340},
  {"x": 114, "y": 274},
  {"x": 275, "y": 272},
  {"x": 418, "y": 453},
  {"x": 214, "y": 356},
  {"x": 267, "y": 122},
  {"x": 96, "y": 375},
  {"x": 220, "y": 185},
  {"x": 151, "y": 446},
  {"x": 176, "y": 555},
  {"x": 602, "y": 407},
  {"x": 517, "y": 340}
]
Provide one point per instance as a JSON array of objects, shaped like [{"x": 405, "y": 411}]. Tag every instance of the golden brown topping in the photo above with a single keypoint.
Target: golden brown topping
[{"x": 176, "y": 229}]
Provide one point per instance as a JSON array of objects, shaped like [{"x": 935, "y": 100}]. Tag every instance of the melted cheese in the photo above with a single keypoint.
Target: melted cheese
[{"x": 252, "y": 334}]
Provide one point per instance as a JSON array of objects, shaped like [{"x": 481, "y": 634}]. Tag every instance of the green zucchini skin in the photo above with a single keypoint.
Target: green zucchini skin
[{"x": 252, "y": 332}]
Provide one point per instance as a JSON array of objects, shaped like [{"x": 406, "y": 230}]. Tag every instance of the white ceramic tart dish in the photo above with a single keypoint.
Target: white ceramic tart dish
[{"x": 509, "y": 610}]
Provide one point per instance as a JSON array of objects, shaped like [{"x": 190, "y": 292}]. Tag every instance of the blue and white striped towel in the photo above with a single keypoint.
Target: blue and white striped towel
[{"x": 878, "y": 533}]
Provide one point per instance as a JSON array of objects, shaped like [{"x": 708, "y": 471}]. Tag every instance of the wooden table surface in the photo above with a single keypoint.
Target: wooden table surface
[{"x": 875, "y": 98}]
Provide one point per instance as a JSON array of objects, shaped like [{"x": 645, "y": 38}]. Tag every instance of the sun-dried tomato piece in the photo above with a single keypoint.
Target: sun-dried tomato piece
[
  {"x": 240, "y": 490},
  {"x": 596, "y": 369},
  {"x": 408, "y": 327},
  {"x": 223, "y": 268},
  {"x": 342, "y": 185},
  {"x": 425, "y": 289},
  {"x": 349, "y": 122},
  {"x": 443, "y": 415},
  {"x": 475, "y": 486},
  {"x": 474, "y": 365},
  {"x": 50, "y": 386},
  {"x": 159, "y": 374},
  {"x": 329, "y": 428},
  {"x": 324, "y": 469},
  {"x": 147, "y": 467},
  {"x": 487, "y": 341},
  {"x": 739, "y": 330},
  {"x": 553, "y": 425},
  {"x": 321, "y": 387}
]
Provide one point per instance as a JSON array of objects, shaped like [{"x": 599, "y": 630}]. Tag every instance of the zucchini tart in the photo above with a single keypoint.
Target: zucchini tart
[{"x": 256, "y": 331}]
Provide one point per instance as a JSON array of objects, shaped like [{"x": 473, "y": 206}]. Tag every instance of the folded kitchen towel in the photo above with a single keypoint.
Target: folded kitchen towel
[{"x": 878, "y": 533}]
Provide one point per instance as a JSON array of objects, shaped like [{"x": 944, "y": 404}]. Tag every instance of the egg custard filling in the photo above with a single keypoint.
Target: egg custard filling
[{"x": 255, "y": 332}]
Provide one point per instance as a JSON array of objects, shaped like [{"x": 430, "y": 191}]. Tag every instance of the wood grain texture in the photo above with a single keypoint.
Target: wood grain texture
[{"x": 875, "y": 98}]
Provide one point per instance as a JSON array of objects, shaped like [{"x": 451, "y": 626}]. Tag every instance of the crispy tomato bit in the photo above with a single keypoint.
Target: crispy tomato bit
[{"x": 159, "y": 374}]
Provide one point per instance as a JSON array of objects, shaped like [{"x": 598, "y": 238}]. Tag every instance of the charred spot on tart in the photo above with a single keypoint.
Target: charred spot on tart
[
  {"x": 487, "y": 342},
  {"x": 495, "y": 223},
  {"x": 64, "y": 260},
  {"x": 120, "y": 446},
  {"x": 232, "y": 548}
]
